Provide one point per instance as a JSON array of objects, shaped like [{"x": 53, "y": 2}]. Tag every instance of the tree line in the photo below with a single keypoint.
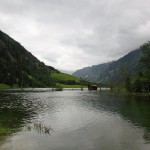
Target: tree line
[{"x": 141, "y": 81}]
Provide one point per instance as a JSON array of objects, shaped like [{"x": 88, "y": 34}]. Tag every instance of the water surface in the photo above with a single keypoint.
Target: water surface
[{"x": 74, "y": 120}]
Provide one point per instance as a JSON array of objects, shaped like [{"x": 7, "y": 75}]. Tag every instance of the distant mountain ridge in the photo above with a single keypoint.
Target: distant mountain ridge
[
  {"x": 92, "y": 73},
  {"x": 114, "y": 71}
]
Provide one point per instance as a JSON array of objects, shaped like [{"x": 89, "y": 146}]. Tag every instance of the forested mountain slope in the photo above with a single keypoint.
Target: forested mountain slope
[
  {"x": 19, "y": 67},
  {"x": 114, "y": 71}
]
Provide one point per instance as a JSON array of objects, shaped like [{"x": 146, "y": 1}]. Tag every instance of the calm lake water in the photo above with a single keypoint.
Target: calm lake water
[{"x": 74, "y": 120}]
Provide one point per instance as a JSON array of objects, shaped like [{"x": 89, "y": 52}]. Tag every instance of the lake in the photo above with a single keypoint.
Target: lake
[{"x": 74, "y": 120}]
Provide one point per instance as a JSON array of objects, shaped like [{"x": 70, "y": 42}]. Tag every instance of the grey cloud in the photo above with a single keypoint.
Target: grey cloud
[{"x": 81, "y": 32}]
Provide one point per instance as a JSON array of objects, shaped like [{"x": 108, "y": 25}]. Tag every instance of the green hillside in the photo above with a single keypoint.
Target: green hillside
[
  {"x": 66, "y": 80},
  {"x": 64, "y": 76}
]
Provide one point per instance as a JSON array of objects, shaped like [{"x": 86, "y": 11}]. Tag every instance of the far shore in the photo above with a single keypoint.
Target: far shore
[{"x": 13, "y": 90}]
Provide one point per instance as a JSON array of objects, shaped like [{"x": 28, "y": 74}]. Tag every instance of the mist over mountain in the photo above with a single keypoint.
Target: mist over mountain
[{"x": 114, "y": 71}]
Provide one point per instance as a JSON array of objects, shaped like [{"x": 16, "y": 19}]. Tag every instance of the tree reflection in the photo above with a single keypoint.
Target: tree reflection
[
  {"x": 146, "y": 136},
  {"x": 14, "y": 112}
]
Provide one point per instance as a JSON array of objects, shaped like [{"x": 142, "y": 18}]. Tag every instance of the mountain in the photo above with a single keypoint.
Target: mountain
[
  {"x": 115, "y": 71},
  {"x": 92, "y": 73},
  {"x": 20, "y": 68}
]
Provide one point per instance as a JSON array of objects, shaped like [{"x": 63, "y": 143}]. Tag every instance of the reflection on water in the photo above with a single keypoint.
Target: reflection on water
[
  {"x": 74, "y": 120},
  {"x": 40, "y": 128}
]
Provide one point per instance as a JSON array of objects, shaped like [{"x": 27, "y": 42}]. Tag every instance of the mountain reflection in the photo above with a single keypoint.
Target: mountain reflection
[{"x": 134, "y": 109}]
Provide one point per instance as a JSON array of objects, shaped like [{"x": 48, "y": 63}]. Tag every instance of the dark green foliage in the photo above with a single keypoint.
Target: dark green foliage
[
  {"x": 128, "y": 85},
  {"x": 20, "y": 67},
  {"x": 68, "y": 82},
  {"x": 145, "y": 59},
  {"x": 141, "y": 82},
  {"x": 84, "y": 82}
]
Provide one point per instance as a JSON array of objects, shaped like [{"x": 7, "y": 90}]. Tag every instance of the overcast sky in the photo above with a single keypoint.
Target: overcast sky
[{"x": 71, "y": 34}]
